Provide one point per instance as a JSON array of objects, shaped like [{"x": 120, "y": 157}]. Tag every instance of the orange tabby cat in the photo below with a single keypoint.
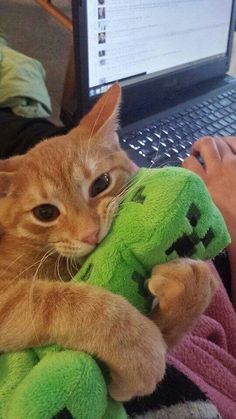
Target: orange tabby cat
[{"x": 57, "y": 203}]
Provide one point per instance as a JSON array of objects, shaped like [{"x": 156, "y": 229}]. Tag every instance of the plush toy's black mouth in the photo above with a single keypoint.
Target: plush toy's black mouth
[
  {"x": 186, "y": 244},
  {"x": 63, "y": 414}
]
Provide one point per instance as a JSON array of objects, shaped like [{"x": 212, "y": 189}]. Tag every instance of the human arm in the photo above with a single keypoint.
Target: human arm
[{"x": 219, "y": 174}]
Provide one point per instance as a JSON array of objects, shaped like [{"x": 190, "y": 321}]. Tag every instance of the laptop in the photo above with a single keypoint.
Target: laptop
[{"x": 171, "y": 58}]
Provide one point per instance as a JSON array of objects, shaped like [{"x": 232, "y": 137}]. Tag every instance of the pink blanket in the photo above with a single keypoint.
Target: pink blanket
[{"x": 207, "y": 355}]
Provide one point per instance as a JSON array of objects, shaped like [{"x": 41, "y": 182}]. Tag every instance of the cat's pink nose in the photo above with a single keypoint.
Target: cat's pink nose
[{"x": 91, "y": 238}]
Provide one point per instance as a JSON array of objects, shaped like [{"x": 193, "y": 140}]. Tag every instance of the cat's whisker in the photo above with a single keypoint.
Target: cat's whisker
[
  {"x": 29, "y": 266},
  {"x": 59, "y": 257},
  {"x": 43, "y": 259},
  {"x": 123, "y": 191},
  {"x": 116, "y": 201},
  {"x": 120, "y": 197},
  {"x": 11, "y": 264},
  {"x": 68, "y": 268},
  {"x": 55, "y": 267},
  {"x": 133, "y": 184},
  {"x": 113, "y": 205},
  {"x": 74, "y": 264},
  {"x": 110, "y": 213}
]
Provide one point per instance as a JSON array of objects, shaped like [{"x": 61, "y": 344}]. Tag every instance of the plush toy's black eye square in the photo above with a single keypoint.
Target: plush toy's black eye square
[
  {"x": 138, "y": 195},
  {"x": 193, "y": 215}
]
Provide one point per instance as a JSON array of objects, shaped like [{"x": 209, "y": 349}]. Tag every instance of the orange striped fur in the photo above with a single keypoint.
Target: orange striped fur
[{"x": 38, "y": 305}]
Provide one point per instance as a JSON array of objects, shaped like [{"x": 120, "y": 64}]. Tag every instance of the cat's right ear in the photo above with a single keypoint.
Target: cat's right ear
[
  {"x": 6, "y": 180},
  {"x": 8, "y": 168},
  {"x": 11, "y": 165},
  {"x": 104, "y": 115}
]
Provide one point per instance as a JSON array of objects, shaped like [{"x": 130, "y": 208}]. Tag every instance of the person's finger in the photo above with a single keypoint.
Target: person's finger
[
  {"x": 231, "y": 141},
  {"x": 191, "y": 163},
  {"x": 206, "y": 148},
  {"x": 223, "y": 148}
]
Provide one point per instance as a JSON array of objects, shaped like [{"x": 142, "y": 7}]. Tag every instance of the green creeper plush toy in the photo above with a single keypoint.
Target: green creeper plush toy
[{"x": 167, "y": 213}]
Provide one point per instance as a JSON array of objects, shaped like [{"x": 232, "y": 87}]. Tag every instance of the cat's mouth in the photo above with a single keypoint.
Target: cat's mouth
[
  {"x": 74, "y": 252},
  {"x": 77, "y": 249}
]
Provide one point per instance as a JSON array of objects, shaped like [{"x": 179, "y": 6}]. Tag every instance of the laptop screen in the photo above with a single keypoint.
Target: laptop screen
[
  {"x": 153, "y": 47},
  {"x": 133, "y": 40}
]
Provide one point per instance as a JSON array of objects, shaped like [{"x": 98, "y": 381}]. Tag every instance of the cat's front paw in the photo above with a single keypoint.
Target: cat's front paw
[
  {"x": 183, "y": 282},
  {"x": 184, "y": 289},
  {"x": 142, "y": 362}
]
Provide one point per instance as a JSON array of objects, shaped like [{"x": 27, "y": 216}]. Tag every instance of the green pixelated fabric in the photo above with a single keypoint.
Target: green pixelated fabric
[{"x": 166, "y": 214}]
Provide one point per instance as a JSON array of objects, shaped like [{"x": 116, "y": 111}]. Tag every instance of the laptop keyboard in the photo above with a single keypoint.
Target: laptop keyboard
[{"x": 168, "y": 141}]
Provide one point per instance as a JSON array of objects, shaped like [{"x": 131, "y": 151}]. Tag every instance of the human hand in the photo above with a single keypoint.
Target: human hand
[{"x": 218, "y": 172}]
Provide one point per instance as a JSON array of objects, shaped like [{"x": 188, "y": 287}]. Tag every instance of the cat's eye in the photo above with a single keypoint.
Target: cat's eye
[
  {"x": 46, "y": 212},
  {"x": 99, "y": 185}
]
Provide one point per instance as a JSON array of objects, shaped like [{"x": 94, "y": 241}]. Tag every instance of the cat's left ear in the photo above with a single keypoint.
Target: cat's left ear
[
  {"x": 103, "y": 118},
  {"x": 8, "y": 168}
]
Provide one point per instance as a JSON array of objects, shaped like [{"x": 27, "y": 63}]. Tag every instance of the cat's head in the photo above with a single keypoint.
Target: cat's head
[{"x": 63, "y": 193}]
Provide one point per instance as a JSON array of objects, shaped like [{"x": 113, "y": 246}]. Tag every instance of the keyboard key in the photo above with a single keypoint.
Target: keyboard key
[
  {"x": 173, "y": 151},
  {"x": 230, "y": 130},
  {"x": 187, "y": 118},
  {"x": 149, "y": 138},
  {"x": 143, "y": 140},
  {"x": 225, "y": 112},
  {"x": 229, "y": 119},
  {"x": 145, "y": 152},
  {"x": 187, "y": 129},
  {"x": 158, "y": 148},
  {"x": 210, "y": 129},
  {"x": 212, "y": 117},
  {"x": 134, "y": 145},
  {"x": 127, "y": 138},
  {"x": 223, "y": 132},
  {"x": 169, "y": 141},
  {"x": 233, "y": 116},
  {"x": 225, "y": 102},
  {"x": 219, "y": 114},
  {"x": 158, "y": 159},
  {"x": 224, "y": 122},
  {"x": 217, "y": 125}
]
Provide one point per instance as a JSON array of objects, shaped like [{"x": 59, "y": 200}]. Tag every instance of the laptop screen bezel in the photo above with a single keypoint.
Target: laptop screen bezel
[{"x": 172, "y": 81}]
